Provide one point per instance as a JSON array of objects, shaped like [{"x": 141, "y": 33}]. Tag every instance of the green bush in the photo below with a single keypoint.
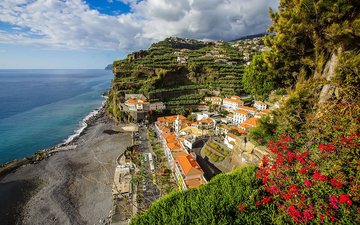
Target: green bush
[{"x": 214, "y": 203}]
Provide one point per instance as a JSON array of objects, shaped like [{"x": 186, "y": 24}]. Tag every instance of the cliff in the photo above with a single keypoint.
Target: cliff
[{"x": 180, "y": 72}]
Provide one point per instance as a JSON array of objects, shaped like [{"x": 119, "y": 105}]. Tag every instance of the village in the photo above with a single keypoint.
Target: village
[{"x": 187, "y": 150}]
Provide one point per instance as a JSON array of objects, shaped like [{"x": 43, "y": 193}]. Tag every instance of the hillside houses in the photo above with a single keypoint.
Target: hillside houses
[
  {"x": 173, "y": 131},
  {"x": 138, "y": 102},
  {"x": 214, "y": 100},
  {"x": 179, "y": 137},
  {"x": 232, "y": 103}
]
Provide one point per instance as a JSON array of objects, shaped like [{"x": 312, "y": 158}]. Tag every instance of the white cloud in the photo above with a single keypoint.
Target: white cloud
[{"x": 72, "y": 24}]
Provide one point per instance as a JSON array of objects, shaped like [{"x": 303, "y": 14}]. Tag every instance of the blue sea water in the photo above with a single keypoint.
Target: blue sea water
[{"x": 42, "y": 108}]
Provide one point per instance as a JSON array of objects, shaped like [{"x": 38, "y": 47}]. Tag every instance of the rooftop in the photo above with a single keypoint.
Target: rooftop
[
  {"x": 189, "y": 165},
  {"x": 240, "y": 111},
  {"x": 247, "y": 108},
  {"x": 232, "y": 100},
  {"x": 169, "y": 119}
]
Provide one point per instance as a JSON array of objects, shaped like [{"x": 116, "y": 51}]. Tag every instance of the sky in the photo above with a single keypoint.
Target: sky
[{"x": 89, "y": 34}]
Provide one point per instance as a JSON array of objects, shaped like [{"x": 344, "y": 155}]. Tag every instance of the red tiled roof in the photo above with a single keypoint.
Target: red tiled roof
[
  {"x": 189, "y": 165},
  {"x": 232, "y": 100},
  {"x": 247, "y": 108},
  {"x": 240, "y": 111}
]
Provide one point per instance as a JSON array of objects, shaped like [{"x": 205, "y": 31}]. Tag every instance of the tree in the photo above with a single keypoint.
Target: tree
[{"x": 257, "y": 79}]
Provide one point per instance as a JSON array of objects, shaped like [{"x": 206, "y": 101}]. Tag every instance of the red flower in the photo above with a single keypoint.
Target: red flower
[
  {"x": 308, "y": 183},
  {"x": 266, "y": 200},
  {"x": 294, "y": 213},
  {"x": 265, "y": 180},
  {"x": 318, "y": 176},
  {"x": 293, "y": 189},
  {"x": 303, "y": 170},
  {"x": 242, "y": 207},
  {"x": 344, "y": 198},
  {"x": 290, "y": 156},
  {"x": 286, "y": 139},
  {"x": 327, "y": 147},
  {"x": 321, "y": 218},
  {"x": 334, "y": 202},
  {"x": 274, "y": 190},
  {"x": 336, "y": 183},
  {"x": 287, "y": 196},
  {"x": 258, "y": 204}
]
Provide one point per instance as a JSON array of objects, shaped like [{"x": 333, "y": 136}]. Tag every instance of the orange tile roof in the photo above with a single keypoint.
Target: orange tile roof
[
  {"x": 162, "y": 127},
  {"x": 207, "y": 120},
  {"x": 189, "y": 165},
  {"x": 247, "y": 108},
  {"x": 251, "y": 121},
  {"x": 178, "y": 153},
  {"x": 173, "y": 145},
  {"x": 244, "y": 125},
  {"x": 136, "y": 101},
  {"x": 194, "y": 183},
  {"x": 241, "y": 131},
  {"x": 240, "y": 111},
  {"x": 235, "y": 97},
  {"x": 169, "y": 136},
  {"x": 167, "y": 119},
  {"x": 232, "y": 100}
]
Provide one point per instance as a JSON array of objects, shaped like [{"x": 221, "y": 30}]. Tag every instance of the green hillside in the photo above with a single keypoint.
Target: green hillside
[
  {"x": 159, "y": 75},
  {"x": 312, "y": 173}
]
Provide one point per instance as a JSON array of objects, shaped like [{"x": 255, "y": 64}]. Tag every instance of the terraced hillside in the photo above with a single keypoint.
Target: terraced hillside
[{"x": 179, "y": 72}]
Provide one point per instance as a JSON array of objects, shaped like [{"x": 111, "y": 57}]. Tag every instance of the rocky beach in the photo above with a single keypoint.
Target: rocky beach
[{"x": 73, "y": 186}]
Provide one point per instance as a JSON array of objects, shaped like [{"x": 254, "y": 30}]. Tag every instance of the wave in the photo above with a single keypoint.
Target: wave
[{"x": 83, "y": 124}]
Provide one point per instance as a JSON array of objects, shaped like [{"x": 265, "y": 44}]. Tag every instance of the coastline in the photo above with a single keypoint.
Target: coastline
[
  {"x": 68, "y": 144},
  {"x": 70, "y": 179}
]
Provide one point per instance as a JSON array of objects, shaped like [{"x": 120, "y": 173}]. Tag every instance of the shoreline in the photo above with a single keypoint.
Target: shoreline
[
  {"x": 67, "y": 144},
  {"x": 75, "y": 185}
]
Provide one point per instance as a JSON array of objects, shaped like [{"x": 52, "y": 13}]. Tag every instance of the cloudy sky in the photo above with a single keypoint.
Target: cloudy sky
[{"x": 93, "y": 33}]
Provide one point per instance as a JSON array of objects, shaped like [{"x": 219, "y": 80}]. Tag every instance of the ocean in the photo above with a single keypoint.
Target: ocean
[{"x": 42, "y": 108}]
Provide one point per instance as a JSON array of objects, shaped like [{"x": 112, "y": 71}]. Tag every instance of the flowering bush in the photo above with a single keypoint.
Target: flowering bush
[{"x": 318, "y": 184}]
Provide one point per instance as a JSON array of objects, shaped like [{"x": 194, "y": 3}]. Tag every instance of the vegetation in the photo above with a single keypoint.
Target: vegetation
[
  {"x": 214, "y": 203},
  {"x": 312, "y": 173}
]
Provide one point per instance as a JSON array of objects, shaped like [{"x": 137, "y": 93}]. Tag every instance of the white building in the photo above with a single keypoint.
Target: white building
[
  {"x": 232, "y": 103},
  {"x": 248, "y": 109},
  {"x": 214, "y": 100},
  {"x": 137, "y": 105},
  {"x": 157, "y": 106},
  {"x": 259, "y": 105},
  {"x": 240, "y": 116}
]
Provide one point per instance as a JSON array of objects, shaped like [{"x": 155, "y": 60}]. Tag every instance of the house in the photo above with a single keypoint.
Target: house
[
  {"x": 262, "y": 113},
  {"x": 240, "y": 116},
  {"x": 231, "y": 140},
  {"x": 248, "y": 109},
  {"x": 201, "y": 115},
  {"x": 232, "y": 103},
  {"x": 189, "y": 135},
  {"x": 230, "y": 117},
  {"x": 259, "y": 105},
  {"x": 252, "y": 122},
  {"x": 181, "y": 59},
  {"x": 206, "y": 124},
  {"x": 157, "y": 106},
  {"x": 170, "y": 120},
  {"x": 188, "y": 173},
  {"x": 161, "y": 128},
  {"x": 214, "y": 100},
  {"x": 137, "y": 104},
  {"x": 224, "y": 129}
]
